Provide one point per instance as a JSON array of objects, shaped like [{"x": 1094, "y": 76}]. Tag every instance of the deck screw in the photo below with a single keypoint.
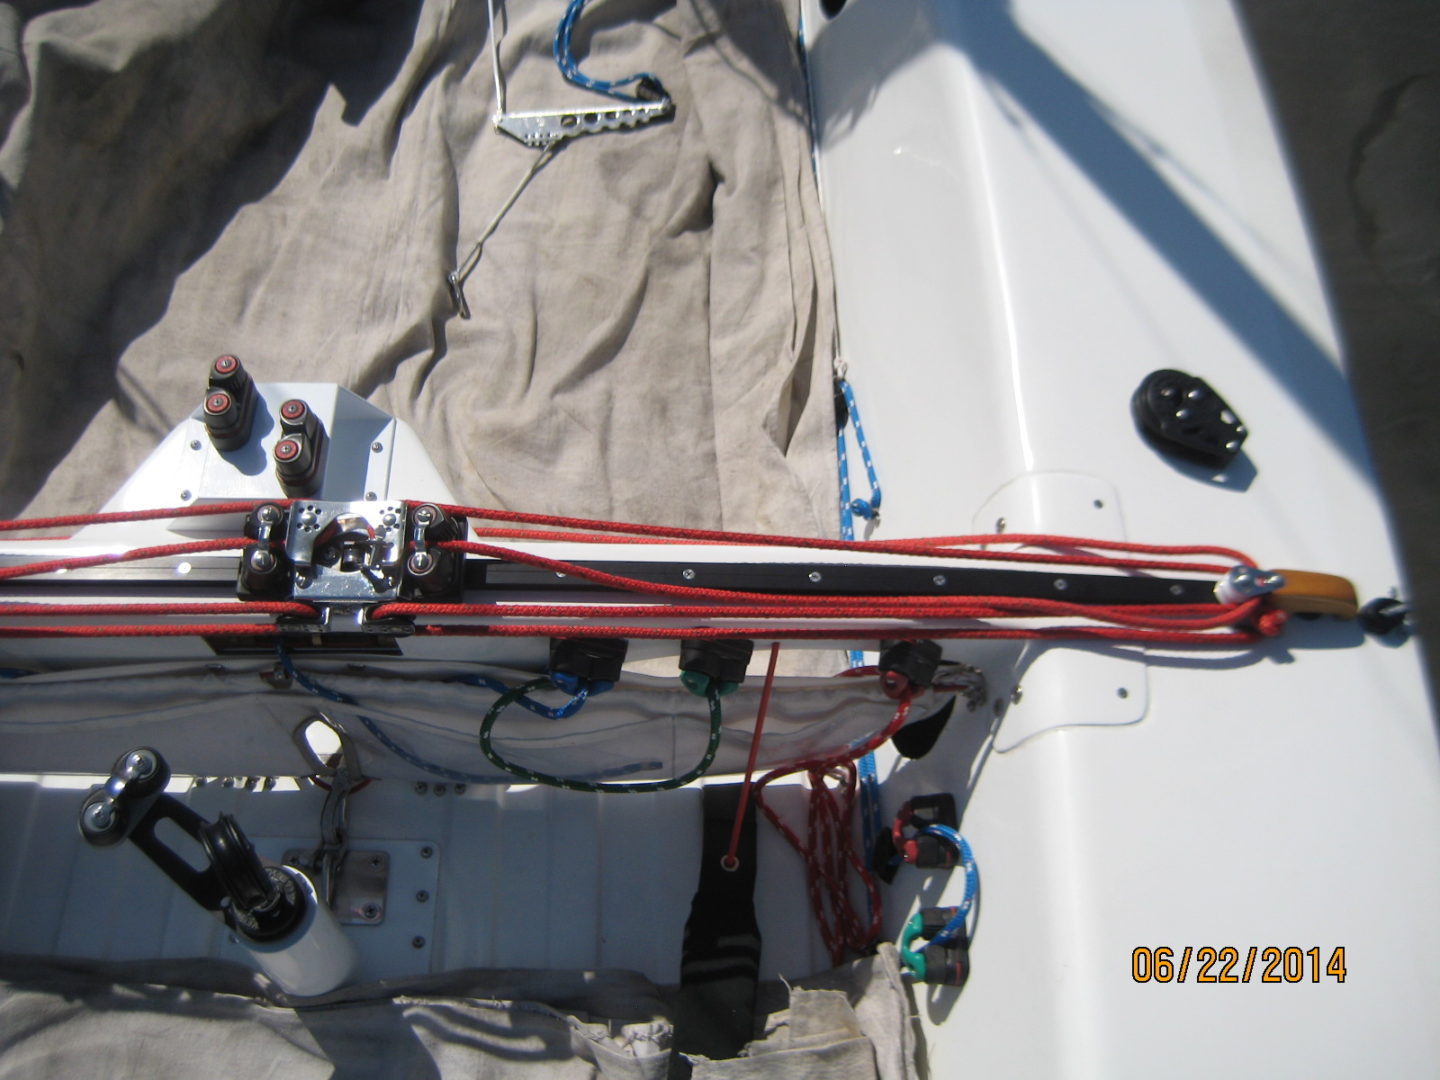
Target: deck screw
[
  {"x": 688, "y": 574},
  {"x": 939, "y": 579},
  {"x": 376, "y": 447},
  {"x": 815, "y": 576}
]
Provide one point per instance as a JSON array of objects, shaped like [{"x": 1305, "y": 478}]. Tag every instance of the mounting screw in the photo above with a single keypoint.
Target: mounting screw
[
  {"x": 939, "y": 579},
  {"x": 1099, "y": 504},
  {"x": 376, "y": 447},
  {"x": 377, "y": 861},
  {"x": 459, "y": 789},
  {"x": 814, "y": 576},
  {"x": 370, "y": 496},
  {"x": 100, "y": 816},
  {"x": 422, "y": 896},
  {"x": 370, "y": 911},
  {"x": 417, "y": 942},
  {"x": 1061, "y": 584},
  {"x": 1176, "y": 590},
  {"x": 269, "y": 514},
  {"x": 426, "y": 851},
  {"x": 421, "y": 562},
  {"x": 194, "y": 444},
  {"x": 421, "y": 787},
  {"x": 1000, "y": 525},
  {"x": 185, "y": 495},
  {"x": 426, "y": 515},
  {"x": 139, "y": 764},
  {"x": 688, "y": 574},
  {"x": 1122, "y": 693},
  {"x": 262, "y": 561},
  {"x": 439, "y": 789}
]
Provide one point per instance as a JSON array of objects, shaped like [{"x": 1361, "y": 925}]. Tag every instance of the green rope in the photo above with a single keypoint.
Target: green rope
[
  {"x": 532, "y": 777},
  {"x": 911, "y": 958}
]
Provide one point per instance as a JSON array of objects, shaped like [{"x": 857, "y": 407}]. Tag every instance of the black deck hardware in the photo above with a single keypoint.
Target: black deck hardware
[{"x": 1182, "y": 415}]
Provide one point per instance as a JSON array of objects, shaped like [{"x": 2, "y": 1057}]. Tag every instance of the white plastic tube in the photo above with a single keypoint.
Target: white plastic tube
[{"x": 315, "y": 957}]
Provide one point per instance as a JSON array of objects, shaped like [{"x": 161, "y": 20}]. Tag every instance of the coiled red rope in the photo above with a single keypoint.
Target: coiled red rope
[{"x": 829, "y": 848}]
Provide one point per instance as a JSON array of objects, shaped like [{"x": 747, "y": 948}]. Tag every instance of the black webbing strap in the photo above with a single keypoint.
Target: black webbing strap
[{"x": 720, "y": 965}]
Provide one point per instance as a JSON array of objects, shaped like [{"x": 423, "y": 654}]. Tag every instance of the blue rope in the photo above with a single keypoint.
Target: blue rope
[
  {"x": 850, "y": 508},
  {"x": 558, "y": 712},
  {"x": 871, "y": 819},
  {"x": 320, "y": 690},
  {"x": 570, "y": 68},
  {"x": 956, "y": 926}
]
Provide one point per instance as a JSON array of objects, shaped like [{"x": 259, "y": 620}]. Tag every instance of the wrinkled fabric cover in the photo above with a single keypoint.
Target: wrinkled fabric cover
[
  {"x": 82, "y": 1019},
  {"x": 291, "y": 181}
]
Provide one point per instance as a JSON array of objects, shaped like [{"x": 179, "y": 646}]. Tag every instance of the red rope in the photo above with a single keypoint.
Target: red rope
[
  {"x": 924, "y": 546},
  {"x": 852, "y": 633},
  {"x": 231, "y": 607},
  {"x": 159, "y": 551},
  {"x": 829, "y": 848},
  {"x": 145, "y": 630},
  {"x": 69, "y": 521},
  {"x": 730, "y": 860},
  {"x": 1144, "y": 624}
]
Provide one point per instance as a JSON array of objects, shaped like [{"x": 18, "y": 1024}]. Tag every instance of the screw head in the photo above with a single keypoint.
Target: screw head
[
  {"x": 262, "y": 561},
  {"x": 185, "y": 495},
  {"x": 814, "y": 576},
  {"x": 426, "y": 515},
  {"x": 226, "y": 365},
  {"x": 1061, "y": 584},
  {"x": 421, "y": 787},
  {"x": 269, "y": 514},
  {"x": 139, "y": 764},
  {"x": 439, "y": 789},
  {"x": 377, "y": 861},
  {"x": 287, "y": 450},
  {"x": 422, "y": 896},
  {"x": 421, "y": 562},
  {"x": 370, "y": 911},
  {"x": 370, "y": 496},
  {"x": 217, "y": 402},
  {"x": 99, "y": 816},
  {"x": 426, "y": 851},
  {"x": 293, "y": 409},
  {"x": 688, "y": 574},
  {"x": 1000, "y": 525},
  {"x": 939, "y": 579},
  {"x": 194, "y": 444},
  {"x": 417, "y": 942},
  {"x": 376, "y": 447}
]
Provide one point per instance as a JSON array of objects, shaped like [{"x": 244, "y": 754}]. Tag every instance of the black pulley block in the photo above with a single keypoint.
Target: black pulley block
[{"x": 1183, "y": 416}]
